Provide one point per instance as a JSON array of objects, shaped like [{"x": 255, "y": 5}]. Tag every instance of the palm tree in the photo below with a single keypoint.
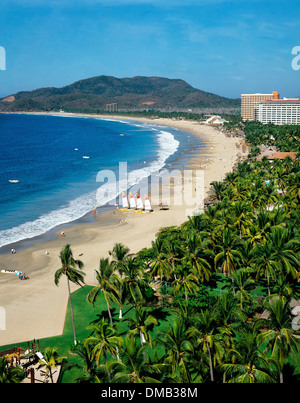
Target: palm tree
[
  {"x": 178, "y": 349},
  {"x": 279, "y": 339},
  {"x": 119, "y": 253},
  {"x": 174, "y": 252},
  {"x": 205, "y": 338},
  {"x": 135, "y": 364},
  {"x": 50, "y": 361},
  {"x": 140, "y": 324},
  {"x": 227, "y": 313},
  {"x": 264, "y": 262},
  {"x": 89, "y": 367},
  {"x": 219, "y": 188},
  {"x": 242, "y": 216},
  {"x": 10, "y": 374},
  {"x": 196, "y": 255},
  {"x": 186, "y": 280},
  {"x": 229, "y": 256},
  {"x": 283, "y": 242},
  {"x": 247, "y": 364},
  {"x": 160, "y": 265},
  {"x": 135, "y": 279},
  {"x": 261, "y": 226},
  {"x": 229, "y": 318},
  {"x": 103, "y": 341},
  {"x": 276, "y": 255},
  {"x": 68, "y": 268},
  {"x": 103, "y": 276},
  {"x": 242, "y": 285},
  {"x": 284, "y": 288}
]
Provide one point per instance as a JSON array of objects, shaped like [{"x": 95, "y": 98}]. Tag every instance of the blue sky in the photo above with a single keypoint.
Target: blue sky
[{"x": 219, "y": 46}]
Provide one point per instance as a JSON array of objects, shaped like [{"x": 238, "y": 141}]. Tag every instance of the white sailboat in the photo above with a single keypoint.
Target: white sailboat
[
  {"x": 147, "y": 203},
  {"x": 124, "y": 200},
  {"x": 132, "y": 204},
  {"x": 139, "y": 203}
]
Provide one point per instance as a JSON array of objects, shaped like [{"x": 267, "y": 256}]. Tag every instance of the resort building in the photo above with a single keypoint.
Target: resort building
[
  {"x": 272, "y": 155},
  {"x": 250, "y": 103},
  {"x": 214, "y": 120},
  {"x": 280, "y": 112}
]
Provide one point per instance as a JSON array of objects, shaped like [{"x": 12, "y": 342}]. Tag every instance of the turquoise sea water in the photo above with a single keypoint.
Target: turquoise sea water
[{"x": 45, "y": 180}]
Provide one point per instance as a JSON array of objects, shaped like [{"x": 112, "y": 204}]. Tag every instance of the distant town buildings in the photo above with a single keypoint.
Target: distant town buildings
[{"x": 269, "y": 108}]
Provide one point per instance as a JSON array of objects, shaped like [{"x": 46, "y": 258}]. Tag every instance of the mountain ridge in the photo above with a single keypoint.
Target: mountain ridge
[{"x": 130, "y": 93}]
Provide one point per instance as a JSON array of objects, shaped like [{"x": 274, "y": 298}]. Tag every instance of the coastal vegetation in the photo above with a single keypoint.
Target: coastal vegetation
[{"x": 211, "y": 300}]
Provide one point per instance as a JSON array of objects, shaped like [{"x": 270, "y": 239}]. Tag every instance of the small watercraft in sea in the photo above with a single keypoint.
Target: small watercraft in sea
[
  {"x": 13, "y": 181},
  {"x": 85, "y": 156}
]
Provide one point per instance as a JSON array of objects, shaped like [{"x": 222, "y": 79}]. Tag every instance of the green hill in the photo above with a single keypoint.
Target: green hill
[{"x": 129, "y": 93}]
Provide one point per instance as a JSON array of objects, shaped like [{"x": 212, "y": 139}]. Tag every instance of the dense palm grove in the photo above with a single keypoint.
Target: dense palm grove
[{"x": 222, "y": 282}]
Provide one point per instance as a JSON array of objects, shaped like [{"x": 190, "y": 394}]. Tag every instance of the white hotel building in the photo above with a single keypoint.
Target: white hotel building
[{"x": 284, "y": 111}]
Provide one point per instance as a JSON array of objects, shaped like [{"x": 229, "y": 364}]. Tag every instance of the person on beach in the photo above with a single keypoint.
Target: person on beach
[
  {"x": 13, "y": 251},
  {"x": 62, "y": 233}
]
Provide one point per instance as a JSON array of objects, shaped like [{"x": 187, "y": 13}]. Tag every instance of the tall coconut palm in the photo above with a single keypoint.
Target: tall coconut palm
[
  {"x": 229, "y": 254},
  {"x": 284, "y": 242},
  {"x": 50, "y": 361},
  {"x": 279, "y": 339},
  {"x": 196, "y": 255},
  {"x": 135, "y": 280},
  {"x": 88, "y": 366},
  {"x": 227, "y": 312},
  {"x": 160, "y": 265},
  {"x": 186, "y": 280},
  {"x": 103, "y": 341},
  {"x": 247, "y": 364},
  {"x": 103, "y": 276},
  {"x": 178, "y": 349},
  {"x": 242, "y": 285},
  {"x": 69, "y": 269},
  {"x": 242, "y": 216},
  {"x": 205, "y": 337},
  {"x": 135, "y": 364},
  {"x": 141, "y": 322},
  {"x": 219, "y": 188},
  {"x": 264, "y": 262},
  {"x": 119, "y": 253}
]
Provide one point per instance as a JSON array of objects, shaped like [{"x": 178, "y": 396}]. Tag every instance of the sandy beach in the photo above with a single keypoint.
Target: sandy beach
[{"x": 36, "y": 308}]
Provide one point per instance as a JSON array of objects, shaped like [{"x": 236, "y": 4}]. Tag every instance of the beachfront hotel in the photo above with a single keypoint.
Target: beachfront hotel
[
  {"x": 250, "y": 104},
  {"x": 284, "y": 111}
]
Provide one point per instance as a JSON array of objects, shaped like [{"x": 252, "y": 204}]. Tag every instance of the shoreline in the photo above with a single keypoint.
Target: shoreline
[{"x": 36, "y": 308}]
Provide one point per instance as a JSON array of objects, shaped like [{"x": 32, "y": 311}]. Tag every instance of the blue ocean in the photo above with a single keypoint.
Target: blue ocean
[{"x": 49, "y": 170}]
